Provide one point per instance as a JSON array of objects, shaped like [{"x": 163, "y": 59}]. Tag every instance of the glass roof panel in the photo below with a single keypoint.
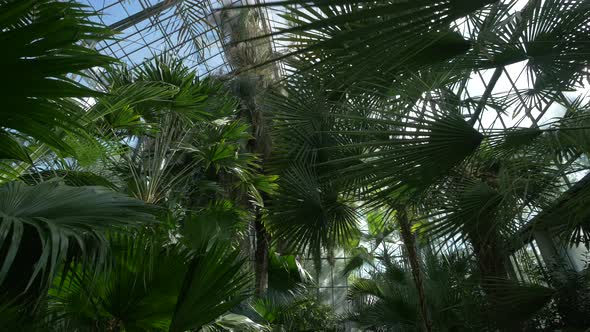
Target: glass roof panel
[{"x": 150, "y": 27}]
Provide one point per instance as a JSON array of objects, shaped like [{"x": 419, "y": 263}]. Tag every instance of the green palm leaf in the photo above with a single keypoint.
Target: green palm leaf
[
  {"x": 138, "y": 292},
  {"x": 554, "y": 41},
  {"x": 356, "y": 37},
  {"x": 59, "y": 220},
  {"x": 214, "y": 283},
  {"x": 41, "y": 39},
  {"x": 308, "y": 215}
]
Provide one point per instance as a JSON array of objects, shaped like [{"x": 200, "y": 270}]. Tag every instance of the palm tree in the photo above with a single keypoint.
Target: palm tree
[
  {"x": 381, "y": 112},
  {"x": 242, "y": 28},
  {"x": 151, "y": 287},
  {"x": 395, "y": 106},
  {"x": 52, "y": 228},
  {"x": 49, "y": 224},
  {"x": 388, "y": 300},
  {"x": 188, "y": 161}
]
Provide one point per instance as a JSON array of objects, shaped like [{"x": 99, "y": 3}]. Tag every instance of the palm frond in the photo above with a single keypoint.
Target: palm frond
[
  {"x": 42, "y": 43},
  {"x": 137, "y": 293},
  {"x": 554, "y": 43},
  {"x": 214, "y": 283},
  {"x": 234, "y": 322},
  {"x": 309, "y": 215},
  {"x": 355, "y": 37},
  {"x": 60, "y": 220}
]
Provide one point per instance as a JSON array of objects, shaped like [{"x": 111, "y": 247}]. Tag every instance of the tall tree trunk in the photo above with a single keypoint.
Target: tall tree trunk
[
  {"x": 488, "y": 248},
  {"x": 410, "y": 244},
  {"x": 261, "y": 254},
  {"x": 488, "y": 251},
  {"x": 250, "y": 23},
  {"x": 257, "y": 145}
]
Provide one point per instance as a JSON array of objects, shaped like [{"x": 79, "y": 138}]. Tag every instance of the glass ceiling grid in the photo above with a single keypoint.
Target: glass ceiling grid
[
  {"x": 148, "y": 45},
  {"x": 126, "y": 40},
  {"x": 155, "y": 21},
  {"x": 150, "y": 27},
  {"x": 101, "y": 20}
]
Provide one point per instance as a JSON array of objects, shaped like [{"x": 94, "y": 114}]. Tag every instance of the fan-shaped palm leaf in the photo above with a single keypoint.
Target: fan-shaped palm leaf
[
  {"x": 215, "y": 282},
  {"x": 41, "y": 39},
  {"x": 42, "y": 225},
  {"x": 356, "y": 37},
  {"x": 310, "y": 215}
]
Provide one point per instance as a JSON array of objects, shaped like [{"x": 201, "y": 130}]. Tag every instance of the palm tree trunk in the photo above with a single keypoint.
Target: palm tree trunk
[
  {"x": 410, "y": 244},
  {"x": 261, "y": 255},
  {"x": 488, "y": 251},
  {"x": 491, "y": 261},
  {"x": 254, "y": 80}
]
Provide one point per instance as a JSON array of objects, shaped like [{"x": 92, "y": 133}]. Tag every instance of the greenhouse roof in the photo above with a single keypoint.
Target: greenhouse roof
[{"x": 186, "y": 28}]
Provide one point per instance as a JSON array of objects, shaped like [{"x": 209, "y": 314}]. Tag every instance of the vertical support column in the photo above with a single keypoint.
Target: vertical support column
[
  {"x": 577, "y": 257},
  {"x": 551, "y": 254},
  {"x": 512, "y": 273}
]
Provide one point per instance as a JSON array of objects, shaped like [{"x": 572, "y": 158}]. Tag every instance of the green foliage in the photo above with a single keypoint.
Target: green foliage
[
  {"x": 358, "y": 41},
  {"x": 375, "y": 115},
  {"x": 61, "y": 220},
  {"x": 150, "y": 287},
  {"x": 310, "y": 216},
  {"x": 138, "y": 293},
  {"x": 554, "y": 47},
  {"x": 312, "y": 315},
  {"x": 568, "y": 215},
  {"x": 42, "y": 43},
  {"x": 573, "y": 291},
  {"x": 137, "y": 135},
  {"x": 71, "y": 178},
  {"x": 298, "y": 310},
  {"x": 191, "y": 98},
  {"x": 215, "y": 283},
  {"x": 309, "y": 211},
  {"x": 388, "y": 300},
  {"x": 12, "y": 317},
  {"x": 188, "y": 142},
  {"x": 285, "y": 272},
  {"x": 234, "y": 322},
  {"x": 220, "y": 220}
]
